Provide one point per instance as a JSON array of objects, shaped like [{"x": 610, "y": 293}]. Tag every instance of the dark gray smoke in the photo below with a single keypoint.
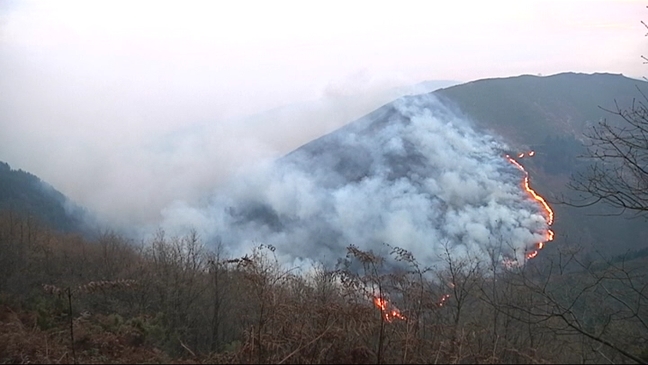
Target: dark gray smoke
[{"x": 412, "y": 174}]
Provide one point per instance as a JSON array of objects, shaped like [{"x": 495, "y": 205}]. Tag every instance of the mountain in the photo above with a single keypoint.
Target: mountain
[
  {"x": 427, "y": 171},
  {"x": 25, "y": 194},
  {"x": 421, "y": 171},
  {"x": 526, "y": 109},
  {"x": 551, "y": 115}
]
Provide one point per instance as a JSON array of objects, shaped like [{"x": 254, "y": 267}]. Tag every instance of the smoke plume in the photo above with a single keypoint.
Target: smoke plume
[{"x": 413, "y": 174}]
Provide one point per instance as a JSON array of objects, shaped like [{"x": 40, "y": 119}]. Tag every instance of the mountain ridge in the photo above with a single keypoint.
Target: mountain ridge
[
  {"x": 566, "y": 103},
  {"x": 548, "y": 114},
  {"x": 26, "y": 194}
]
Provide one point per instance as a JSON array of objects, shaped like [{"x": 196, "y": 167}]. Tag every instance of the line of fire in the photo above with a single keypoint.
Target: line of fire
[
  {"x": 546, "y": 209},
  {"x": 390, "y": 312}
]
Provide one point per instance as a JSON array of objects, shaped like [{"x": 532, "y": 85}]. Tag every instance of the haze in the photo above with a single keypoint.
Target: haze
[{"x": 128, "y": 107}]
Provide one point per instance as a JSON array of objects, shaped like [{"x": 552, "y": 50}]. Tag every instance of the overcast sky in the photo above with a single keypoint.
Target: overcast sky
[{"x": 126, "y": 106}]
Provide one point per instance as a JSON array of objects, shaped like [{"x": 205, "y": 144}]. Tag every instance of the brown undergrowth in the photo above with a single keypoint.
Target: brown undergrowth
[
  {"x": 65, "y": 299},
  {"x": 22, "y": 341}
]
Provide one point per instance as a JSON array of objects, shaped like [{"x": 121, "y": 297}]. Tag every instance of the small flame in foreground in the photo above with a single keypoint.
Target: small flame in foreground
[
  {"x": 444, "y": 298},
  {"x": 549, "y": 214},
  {"x": 389, "y": 312}
]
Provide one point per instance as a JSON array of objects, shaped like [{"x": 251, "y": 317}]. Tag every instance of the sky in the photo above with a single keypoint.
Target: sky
[{"x": 130, "y": 106}]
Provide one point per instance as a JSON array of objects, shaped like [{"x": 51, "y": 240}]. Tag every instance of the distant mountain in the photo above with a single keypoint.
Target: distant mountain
[{"x": 25, "y": 194}]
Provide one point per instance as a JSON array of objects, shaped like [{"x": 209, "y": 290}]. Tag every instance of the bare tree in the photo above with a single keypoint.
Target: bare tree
[
  {"x": 588, "y": 312},
  {"x": 618, "y": 174}
]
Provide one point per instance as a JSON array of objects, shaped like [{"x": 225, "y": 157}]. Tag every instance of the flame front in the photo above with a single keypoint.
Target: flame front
[
  {"x": 549, "y": 214},
  {"x": 389, "y": 312},
  {"x": 443, "y": 299}
]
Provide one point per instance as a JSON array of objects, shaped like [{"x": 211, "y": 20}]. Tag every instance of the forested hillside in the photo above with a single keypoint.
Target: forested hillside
[{"x": 25, "y": 194}]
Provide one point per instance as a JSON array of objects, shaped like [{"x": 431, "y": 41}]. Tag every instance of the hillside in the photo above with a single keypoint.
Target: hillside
[
  {"x": 545, "y": 114},
  {"x": 550, "y": 115},
  {"x": 412, "y": 174},
  {"x": 25, "y": 194},
  {"x": 528, "y": 109}
]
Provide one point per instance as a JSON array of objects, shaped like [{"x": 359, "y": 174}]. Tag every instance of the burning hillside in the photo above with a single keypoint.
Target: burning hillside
[{"x": 413, "y": 174}]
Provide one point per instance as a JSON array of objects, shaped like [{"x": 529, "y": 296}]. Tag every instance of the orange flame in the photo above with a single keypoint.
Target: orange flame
[
  {"x": 389, "y": 312},
  {"x": 549, "y": 214}
]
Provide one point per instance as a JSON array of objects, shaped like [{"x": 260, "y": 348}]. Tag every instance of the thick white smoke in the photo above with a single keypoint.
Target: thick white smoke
[{"x": 412, "y": 174}]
